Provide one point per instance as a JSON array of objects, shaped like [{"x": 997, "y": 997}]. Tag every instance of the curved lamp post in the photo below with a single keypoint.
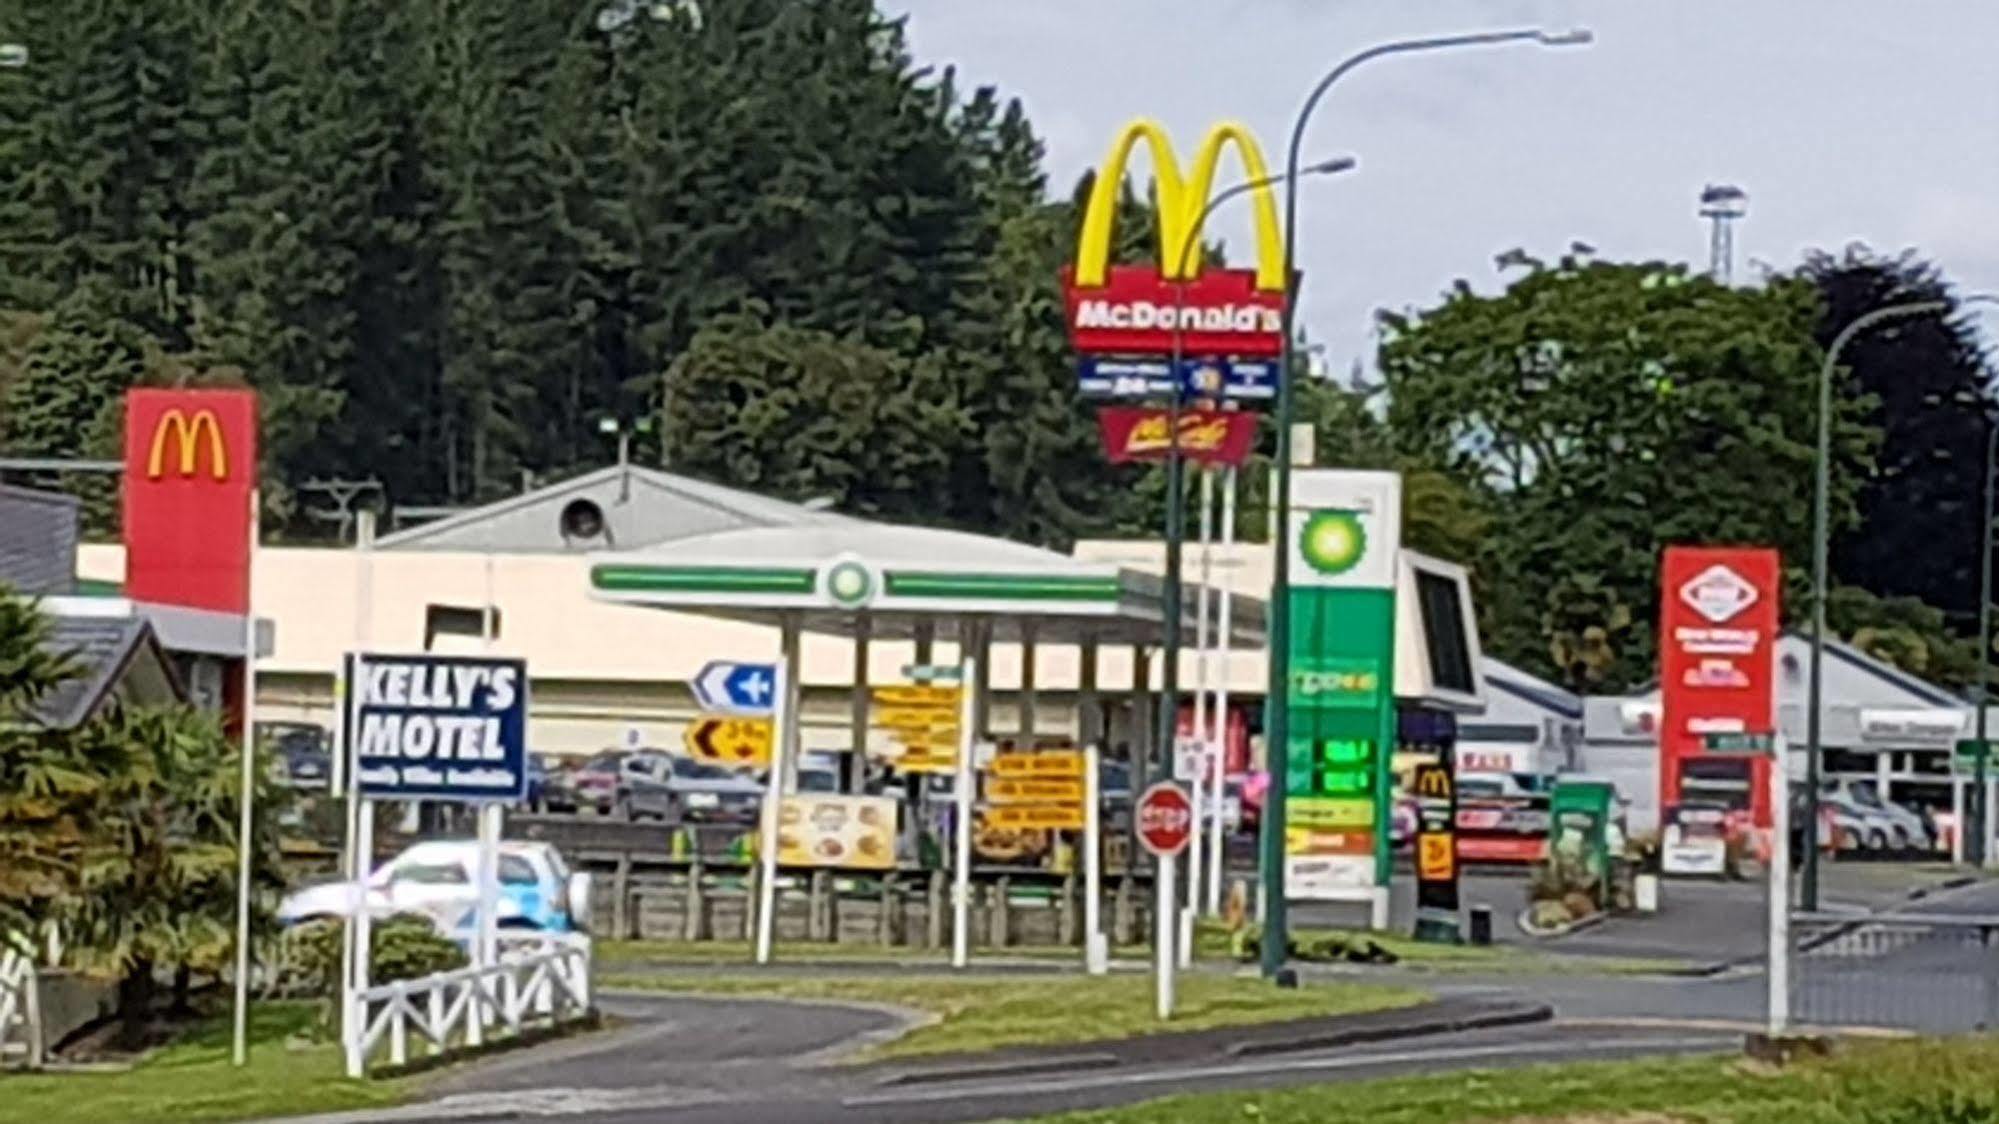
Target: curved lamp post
[
  {"x": 1169, "y": 690},
  {"x": 1276, "y": 738},
  {"x": 1808, "y": 889}
]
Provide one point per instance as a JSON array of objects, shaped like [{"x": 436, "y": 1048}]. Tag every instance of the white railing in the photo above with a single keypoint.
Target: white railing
[
  {"x": 20, "y": 1011},
  {"x": 542, "y": 980}
]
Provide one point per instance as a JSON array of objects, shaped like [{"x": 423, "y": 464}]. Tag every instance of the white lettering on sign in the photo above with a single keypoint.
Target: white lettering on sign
[
  {"x": 1138, "y": 315},
  {"x": 443, "y": 737}
]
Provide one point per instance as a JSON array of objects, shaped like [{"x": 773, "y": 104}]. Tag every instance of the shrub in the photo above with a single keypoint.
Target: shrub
[{"x": 405, "y": 947}]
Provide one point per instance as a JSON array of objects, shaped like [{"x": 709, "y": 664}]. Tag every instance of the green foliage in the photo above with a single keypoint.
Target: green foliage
[
  {"x": 120, "y": 833},
  {"x": 404, "y": 947},
  {"x": 1600, "y": 412}
]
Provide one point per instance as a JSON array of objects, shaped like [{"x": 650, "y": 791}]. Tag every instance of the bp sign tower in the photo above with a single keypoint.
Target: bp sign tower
[{"x": 1345, "y": 538}]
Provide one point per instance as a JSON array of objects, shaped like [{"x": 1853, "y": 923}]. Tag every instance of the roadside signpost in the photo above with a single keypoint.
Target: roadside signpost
[
  {"x": 1165, "y": 818},
  {"x": 923, "y": 721},
  {"x": 736, "y": 688},
  {"x": 1436, "y": 855},
  {"x": 447, "y": 728},
  {"x": 735, "y": 742}
]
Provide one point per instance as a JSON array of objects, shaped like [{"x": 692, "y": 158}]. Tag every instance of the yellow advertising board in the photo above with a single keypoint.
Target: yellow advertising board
[
  {"x": 926, "y": 761},
  {"x": 1038, "y": 817},
  {"x": 847, "y": 832},
  {"x": 1045, "y": 764},
  {"x": 1331, "y": 813},
  {"x": 917, "y": 695}
]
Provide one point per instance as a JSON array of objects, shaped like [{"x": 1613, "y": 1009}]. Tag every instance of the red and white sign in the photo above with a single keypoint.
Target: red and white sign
[
  {"x": 1165, "y": 819},
  {"x": 1140, "y": 433},
  {"x": 1220, "y": 312},
  {"x": 1717, "y": 659},
  {"x": 190, "y": 467}
]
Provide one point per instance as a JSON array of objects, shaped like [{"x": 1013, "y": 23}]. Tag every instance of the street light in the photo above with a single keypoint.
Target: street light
[
  {"x": 1275, "y": 733},
  {"x": 1978, "y": 808},
  {"x": 1169, "y": 688},
  {"x": 1808, "y": 889}
]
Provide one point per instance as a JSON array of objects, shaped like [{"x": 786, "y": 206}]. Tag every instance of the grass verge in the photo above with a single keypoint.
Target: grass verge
[
  {"x": 1914, "y": 1082},
  {"x": 192, "y": 1080},
  {"x": 986, "y": 1013},
  {"x": 1211, "y": 943}
]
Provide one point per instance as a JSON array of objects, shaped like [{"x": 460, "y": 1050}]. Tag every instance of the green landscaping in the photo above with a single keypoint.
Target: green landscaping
[
  {"x": 1909, "y": 1082},
  {"x": 288, "y": 1073},
  {"x": 985, "y": 1013}
]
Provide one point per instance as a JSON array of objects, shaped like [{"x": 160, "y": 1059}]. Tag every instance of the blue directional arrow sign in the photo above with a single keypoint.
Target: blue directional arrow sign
[{"x": 736, "y": 688}]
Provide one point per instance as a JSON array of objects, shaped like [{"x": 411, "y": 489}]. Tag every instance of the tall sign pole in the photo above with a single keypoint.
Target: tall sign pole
[{"x": 246, "y": 823}]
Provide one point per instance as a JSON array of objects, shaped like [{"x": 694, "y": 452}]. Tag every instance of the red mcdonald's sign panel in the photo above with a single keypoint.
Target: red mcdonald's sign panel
[
  {"x": 1717, "y": 665},
  {"x": 190, "y": 469},
  {"x": 1139, "y": 433}
]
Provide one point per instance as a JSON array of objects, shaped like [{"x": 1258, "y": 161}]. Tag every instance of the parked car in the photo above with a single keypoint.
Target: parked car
[
  {"x": 1859, "y": 827},
  {"x": 301, "y": 756},
  {"x": 1906, "y": 828},
  {"x": 680, "y": 789},
  {"x": 536, "y": 797},
  {"x": 437, "y": 879},
  {"x": 599, "y": 785}
]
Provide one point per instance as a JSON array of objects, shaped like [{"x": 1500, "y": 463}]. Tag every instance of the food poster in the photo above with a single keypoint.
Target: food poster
[{"x": 848, "y": 832}]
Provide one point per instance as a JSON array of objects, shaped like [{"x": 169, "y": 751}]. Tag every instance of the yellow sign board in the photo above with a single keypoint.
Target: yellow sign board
[
  {"x": 927, "y": 762},
  {"x": 729, "y": 741},
  {"x": 918, "y": 721},
  {"x": 848, "y": 832},
  {"x": 917, "y": 695},
  {"x": 1052, "y": 763},
  {"x": 1042, "y": 817},
  {"x": 1016, "y": 790}
]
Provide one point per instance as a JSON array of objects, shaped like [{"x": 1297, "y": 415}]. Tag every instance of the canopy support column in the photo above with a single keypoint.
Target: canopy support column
[
  {"x": 1030, "y": 696},
  {"x": 854, "y": 770},
  {"x": 1089, "y": 716}
]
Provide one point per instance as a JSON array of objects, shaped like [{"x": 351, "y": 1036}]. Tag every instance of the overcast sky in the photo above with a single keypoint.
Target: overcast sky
[{"x": 1843, "y": 119}]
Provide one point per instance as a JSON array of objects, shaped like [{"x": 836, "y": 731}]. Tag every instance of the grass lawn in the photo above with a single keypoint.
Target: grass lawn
[
  {"x": 983, "y": 1013},
  {"x": 192, "y": 1080},
  {"x": 1211, "y": 943},
  {"x": 1916, "y": 1082}
]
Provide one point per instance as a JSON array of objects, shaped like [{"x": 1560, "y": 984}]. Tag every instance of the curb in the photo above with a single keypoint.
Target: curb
[
  {"x": 1221, "y": 1044},
  {"x": 1488, "y": 1020}
]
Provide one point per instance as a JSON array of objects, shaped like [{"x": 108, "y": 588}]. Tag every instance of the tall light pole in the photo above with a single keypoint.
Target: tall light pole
[
  {"x": 1276, "y": 737},
  {"x": 1169, "y": 688},
  {"x": 1974, "y": 848},
  {"x": 1808, "y": 888}
]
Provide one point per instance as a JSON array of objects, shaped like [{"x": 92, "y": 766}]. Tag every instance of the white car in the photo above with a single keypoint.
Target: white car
[{"x": 438, "y": 879}]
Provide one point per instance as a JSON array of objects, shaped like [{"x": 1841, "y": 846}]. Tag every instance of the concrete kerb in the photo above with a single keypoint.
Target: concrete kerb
[{"x": 1218, "y": 1044}]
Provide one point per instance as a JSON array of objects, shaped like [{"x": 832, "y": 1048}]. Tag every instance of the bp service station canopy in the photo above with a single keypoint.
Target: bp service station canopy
[{"x": 826, "y": 577}]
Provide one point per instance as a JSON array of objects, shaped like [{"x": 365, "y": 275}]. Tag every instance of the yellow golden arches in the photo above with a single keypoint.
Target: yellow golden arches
[{"x": 1181, "y": 201}]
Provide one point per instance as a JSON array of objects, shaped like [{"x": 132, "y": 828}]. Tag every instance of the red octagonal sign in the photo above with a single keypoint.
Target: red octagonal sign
[{"x": 1165, "y": 819}]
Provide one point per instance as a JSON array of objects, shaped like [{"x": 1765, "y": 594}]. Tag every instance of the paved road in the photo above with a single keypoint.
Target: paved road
[
  {"x": 669, "y": 1090},
  {"x": 706, "y": 1061}
]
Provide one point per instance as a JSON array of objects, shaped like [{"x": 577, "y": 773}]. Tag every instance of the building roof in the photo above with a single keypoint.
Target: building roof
[
  {"x": 116, "y": 658},
  {"x": 639, "y": 507},
  {"x": 37, "y": 541}
]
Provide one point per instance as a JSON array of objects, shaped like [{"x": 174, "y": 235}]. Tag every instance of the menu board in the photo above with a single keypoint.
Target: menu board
[{"x": 847, "y": 832}]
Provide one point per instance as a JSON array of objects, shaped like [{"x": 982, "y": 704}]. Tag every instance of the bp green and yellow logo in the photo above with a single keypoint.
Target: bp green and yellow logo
[{"x": 1333, "y": 542}]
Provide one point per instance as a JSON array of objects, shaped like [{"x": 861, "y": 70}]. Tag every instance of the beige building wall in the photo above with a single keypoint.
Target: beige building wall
[{"x": 599, "y": 670}]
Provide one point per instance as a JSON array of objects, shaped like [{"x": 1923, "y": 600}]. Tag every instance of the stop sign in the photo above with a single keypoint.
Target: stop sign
[{"x": 1165, "y": 819}]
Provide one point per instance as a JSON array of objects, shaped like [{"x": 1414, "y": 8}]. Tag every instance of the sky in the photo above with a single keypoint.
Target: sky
[{"x": 1843, "y": 120}]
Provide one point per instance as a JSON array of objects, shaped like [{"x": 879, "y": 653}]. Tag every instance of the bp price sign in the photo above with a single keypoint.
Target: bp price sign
[
  {"x": 440, "y": 728},
  {"x": 1165, "y": 819}
]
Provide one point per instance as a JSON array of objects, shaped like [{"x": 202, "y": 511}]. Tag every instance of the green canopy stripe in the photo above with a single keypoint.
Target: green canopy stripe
[{"x": 702, "y": 579}]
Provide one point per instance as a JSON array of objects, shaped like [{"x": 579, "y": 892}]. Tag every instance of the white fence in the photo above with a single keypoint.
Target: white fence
[
  {"x": 541, "y": 981},
  {"x": 20, "y": 1011}
]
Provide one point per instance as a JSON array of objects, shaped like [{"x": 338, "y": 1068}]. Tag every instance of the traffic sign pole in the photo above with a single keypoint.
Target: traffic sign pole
[
  {"x": 961, "y": 877},
  {"x": 773, "y": 794},
  {"x": 1780, "y": 891},
  {"x": 1096, "y": 957},
  {"x": 1163, "y": 938}
]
